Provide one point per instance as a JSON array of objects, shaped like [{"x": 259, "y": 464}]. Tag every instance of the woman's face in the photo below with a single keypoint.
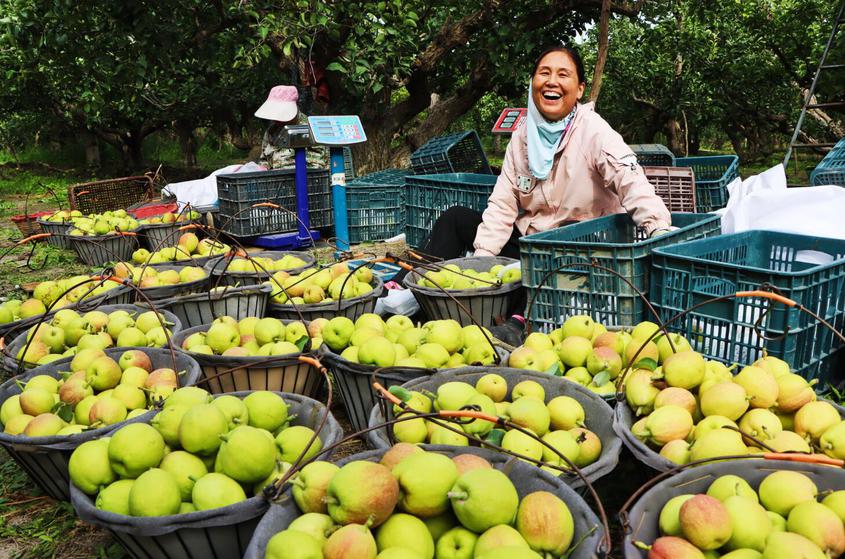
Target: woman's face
[{"x": 555, "y": 87}]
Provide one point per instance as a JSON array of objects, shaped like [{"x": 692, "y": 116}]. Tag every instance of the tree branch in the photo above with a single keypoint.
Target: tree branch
[{"x": 602, "y": 54}]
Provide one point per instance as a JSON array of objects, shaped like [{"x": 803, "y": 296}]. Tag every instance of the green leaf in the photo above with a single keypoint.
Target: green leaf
[
  {"x": 335, "y": 67},
  {"x": 495, "y": 436},
  {"x": 602, "y": 378},
  {"x": 555, "y": 369},
  {"x": 377, "y": 87},
  {"x": 646, "y": 363},
  {"x": 402, "y": 393},
  {"x": 301, "y": 342},
  {"x": 64, "y": 411}
]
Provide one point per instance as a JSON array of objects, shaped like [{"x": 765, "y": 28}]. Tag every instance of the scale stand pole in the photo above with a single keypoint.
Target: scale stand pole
[
  {"x": 341, "y": 224},
  {"x": 302, "y": 195}
]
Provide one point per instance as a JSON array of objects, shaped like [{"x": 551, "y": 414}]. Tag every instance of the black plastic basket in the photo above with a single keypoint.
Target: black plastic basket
[
  {"x": 460, "y": 152},
  {"x": 202, "y": 308},
  {"x": 58, "y": 232},
  {"x": 283, "y": 373},
  {"x": 45, "y": 459},
  {"x": 375, "y": 205},
  {"x": 221, "y": 275},
  {"x": 351, "y": 308},
  {"x": 598, "y": 414},
  {"x": 102, "y": 249},
  {"x": 654, "y": 155},
  {"x": 641, "y": 522},
  {"x": 485, "y": 304},
  {"x": 354, "y": 382},
  {"x": 239, "y": 193},
  {"x": 219, "y": 533},
  {"x": 168, "y": 291},
  {"x": 526, "y": 479},
  {"x": 11, "y": 350},
  {"x": 159, "y": 235}
]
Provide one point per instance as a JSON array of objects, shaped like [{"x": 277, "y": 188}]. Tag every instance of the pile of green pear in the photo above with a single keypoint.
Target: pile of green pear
[
  {"x": 106, "y": 223},
  {"x": 325, "y": 285},
  {"x": 453, "y": 277},
  {"x": 558, "y": 421},
  {"x": 188, "y": 246},
  {"x": 54, "y": 291},
  {"x": 146, "y": 277},
  {"x": 198, "y": 453},
  {"x": 581, "y": 350},
  {"x": 95, "y": 391},
  {"x": 62, "y": 216},
  {"x": 263, "y": 265},
  {"x": 415, "y": 504},
  {"x": 437, "y": 344},
  {"x": 68, "y": 333},
  {"x": 785, "y": 517},
  {"x": 689, "y": 407},
  {"x": 249, "y": 337},
  {"x": 171, "y": 217}
]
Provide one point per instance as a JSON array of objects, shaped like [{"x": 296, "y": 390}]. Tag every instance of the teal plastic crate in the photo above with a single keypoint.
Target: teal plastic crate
[
  {"x": 691, "y": 273},
  {"x": 831, "y": 169},
  {"x": 428, "y": 196},
  {"x": 653, "y": 155},
  {"x": 454, "y": 153},
  {"x": 375, "y": 205},
  {"x": 613, "y": 242},
  {"x": 713, "y": 174}
]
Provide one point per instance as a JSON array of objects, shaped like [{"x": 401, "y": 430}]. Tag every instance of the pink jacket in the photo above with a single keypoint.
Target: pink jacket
[{"x": 594, "y": 174}]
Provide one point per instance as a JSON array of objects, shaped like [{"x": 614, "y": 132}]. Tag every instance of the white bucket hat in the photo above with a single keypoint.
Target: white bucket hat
[{"x": 280, "y": 104}]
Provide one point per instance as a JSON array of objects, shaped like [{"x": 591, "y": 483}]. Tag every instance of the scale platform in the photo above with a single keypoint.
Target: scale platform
[{"x": 286, "y": 241}]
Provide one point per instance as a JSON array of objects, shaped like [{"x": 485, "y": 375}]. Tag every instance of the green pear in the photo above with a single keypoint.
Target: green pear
[
  {"x": 247, "y": 454},
  {"x": 778, "y": 522},
  {"x": 167, "y": 421},
  {"x": 215, "y": 490},
  {"x": 716, "y": 443},
  {"x": 185, "y": 469},
  {"x": 81, "y": 412},
  {"x": 751, "y": 524},
  {"x": 483, "y": 498},
  {"x": 89, "y": 466},
  {"x": 677, "y": 451},
  {"x": 266, "y": 410},
  {"x": 317, "y": 525},
  {"x": 188, "y": 396},
  {"x": 814, "y": 418},
  {"x": 234, "y": 409},
  {"x": 404, "y": 530},
  {"x": 684, "y": 369},
  {"x": 565, "y": 443},
  {"x": 352, "y": 541},
  {"x": 668, "y": 423},
  {"x": 510, "y": 553},
  {"x": 710, "y": 423},
  {"x": 671, "y": 547},
  {"x": 565, "y": 413},
  {"x": 727, "y": 399},
  {"x": 154, "y": 493},
  {"x": 44, "y": 425},
  {"x": 115, "y": 497},
  {"x": 134, "y": 449},
  {"x": 36, "y": 401},
  {"x": 414, "y": 430},
  {"x": 640, "y": 392},
  {"x": 836, "y": 502},
  {"x": 545, "y": 522},
  {"x": 832, "y": 441},
  {"x": 729, "y": 486},
  {"x": 310, "y": 485},
  {"x": 480, "y": 427},
  {"x": 742, "y": 553},
  {"x": 786, "y": 545},
  {"x": 761, "y": 387},
  {"x": 293, "y": 441},
  {"x": 818, "y": 524},
  {"x": 528, "y": 388},
  {"x": 424, "y": 483},
  {"x": 440, "y": 524},
  {"x": 11, "y": 407},
  {"x": 362, "y": 493},
  {"x": 782, "y": 490},
  {"x": 453, "y": 395},
  {"x": 293, "y": 544},
  {"x": 501, "y": 535},
  {"x": 669, "y": 521},
  {"x": 523, "y": 444},
  {"x": 442, "y": 436},
  {"x": 705, "y": 522},
  {"x": 530, "y": 413},
  {"x": 761, "y": 424},
  {"x": 457, "y": 543},
  {"x": 279, "y": 470},
  {"x": 201, "y": 427}
]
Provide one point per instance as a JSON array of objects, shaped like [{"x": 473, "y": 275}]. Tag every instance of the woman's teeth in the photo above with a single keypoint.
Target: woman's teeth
[{"x": 552, "y": 96}]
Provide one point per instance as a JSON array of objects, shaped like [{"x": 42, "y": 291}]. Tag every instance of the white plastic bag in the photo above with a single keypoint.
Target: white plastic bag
[
  {"x": 203, "y": 192},
  {"x": 764, "y": 202}
]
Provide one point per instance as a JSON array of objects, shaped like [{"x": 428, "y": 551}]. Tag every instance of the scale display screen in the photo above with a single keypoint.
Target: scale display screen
[
  {"x": 509, "y": 120},
  {"x": 337, "y": 130}
]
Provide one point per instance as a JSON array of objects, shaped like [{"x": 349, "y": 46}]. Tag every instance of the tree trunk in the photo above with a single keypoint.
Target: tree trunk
[
  {"x": 602, "y": 55},
  {"x": 675, "y": 135},
  {"x": 188, "y": 144},
  {"x": 92, "y": 151},
  {"x": 133, "y": 150}
]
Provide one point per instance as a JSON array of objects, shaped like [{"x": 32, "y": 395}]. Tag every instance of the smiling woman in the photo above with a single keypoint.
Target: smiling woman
[{"x": 564, "y": 164}]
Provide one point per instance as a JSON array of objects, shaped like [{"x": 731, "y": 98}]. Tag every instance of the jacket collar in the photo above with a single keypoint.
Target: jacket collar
[{"x": 583, "y": 108}]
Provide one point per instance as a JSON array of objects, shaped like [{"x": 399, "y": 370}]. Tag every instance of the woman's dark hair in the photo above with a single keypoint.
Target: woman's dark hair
[{"x": 573, "y": 54}]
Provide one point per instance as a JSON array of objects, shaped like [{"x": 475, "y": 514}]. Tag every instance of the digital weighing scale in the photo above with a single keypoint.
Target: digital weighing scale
[
  {"x": 509, "y": 120},
  {"x": 335, "y": 132}
]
